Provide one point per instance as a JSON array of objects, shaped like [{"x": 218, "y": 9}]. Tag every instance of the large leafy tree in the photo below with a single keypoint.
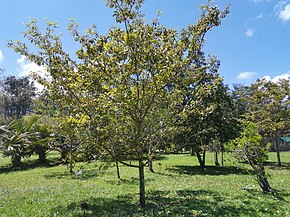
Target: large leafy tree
[
  {"x": 17, "y": 95},
  {"x": 206, "y": 120},
  {"x": 127, "y": 84},
  {"x": 268, "y": 107}
]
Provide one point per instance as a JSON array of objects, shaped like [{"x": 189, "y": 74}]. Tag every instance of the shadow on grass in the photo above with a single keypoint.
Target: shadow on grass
[
  {"x": 121, "y": 206},
  {"x": 168, "y": 203},
  {"x": 28, "y": 165},
  {"x": 160, "y": 158},
  {"x": 274, "y": 166},
  {"x": 278, "y": 195},
  {"x": 210, "y": 170},
  {"x": 131, "y": 181},
  {"x": 86, "y": 174}
]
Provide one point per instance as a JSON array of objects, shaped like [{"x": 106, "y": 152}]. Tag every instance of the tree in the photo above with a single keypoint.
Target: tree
[
  {"x": 249, "y": 147},
  {"x": 125, "y": 84},
  {"x": 70, "y": 131},
  {"x": 268, "y": 108},
  {"x": 16, "y": 139},
  {"x": 206, "y": 118},
  {"x": 16, "y": 96},
  {"x": 42, "y": 142},
  {"x": 239, "y": 94}
]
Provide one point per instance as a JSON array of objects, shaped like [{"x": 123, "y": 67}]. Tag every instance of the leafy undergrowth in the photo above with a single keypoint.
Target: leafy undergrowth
[{"x": 177, "y": 188}]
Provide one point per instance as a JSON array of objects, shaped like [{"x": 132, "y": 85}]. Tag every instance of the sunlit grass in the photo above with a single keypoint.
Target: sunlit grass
[{"x": 177, "y": 188}]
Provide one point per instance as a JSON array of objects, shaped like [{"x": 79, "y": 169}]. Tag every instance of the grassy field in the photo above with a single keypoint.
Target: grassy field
[{"x": 178, "y": 188}]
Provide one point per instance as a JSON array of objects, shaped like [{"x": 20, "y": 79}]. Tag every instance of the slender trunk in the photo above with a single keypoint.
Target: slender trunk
[
  {"x": 71, "y": 160},
  {"x": 71, "y": 167},
  {"x": 142, "y": 184},
  {"x": 216, "y": 160},
  {"x": 118, "y": 170},
  {"x": 203, "y": 157},
  {"x": 264, "y": 184},
  {"x": 192, "y": 152},
  {"x": 278, "y": 153},
  {"x": 261, "y": 176},
  {"x": 17, "y": 112},
  {"x": 223, "y": 159},
  {"x": 150, "y": 165},
  {"x": 63, "y": 155},
  {"x": 200, "y": 159},
  {"x": 262, "y": 179},
  {"x": 150, "y": 161},
  {"x": 197, "y": 151}
]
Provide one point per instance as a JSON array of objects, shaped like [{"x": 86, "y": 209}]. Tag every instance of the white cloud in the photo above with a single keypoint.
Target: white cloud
[
  {"x": 1, "y": 56},
  {"x": 246, "y": 75},
  {"x": 285, "y": 13},
  {"x": 260, "y": 16},
  {"x": 258, "y": 1},
  {"x": 250, "y": 32},
  {"x": 279, "y": 6},
  {"x": 21, "y": 60},
  {"x": 27, "y": 68},
  {"x": 267, "y": 78},
  {"x": 255, "y": 19},
  {"x": 278, "y": 77}
]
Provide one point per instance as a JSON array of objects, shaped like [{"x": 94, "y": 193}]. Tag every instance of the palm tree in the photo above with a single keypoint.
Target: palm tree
[
  {"x": 16, "y": 139},
  {"x": 42, "y": 140}
]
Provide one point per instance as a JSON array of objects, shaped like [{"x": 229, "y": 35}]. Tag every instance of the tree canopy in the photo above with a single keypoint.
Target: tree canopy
[
  {"x": 17, "y": 95},
  {"x": 127, "y": 87}
]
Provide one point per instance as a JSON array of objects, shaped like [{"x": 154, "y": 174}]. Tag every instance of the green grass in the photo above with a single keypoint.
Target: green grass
[{"x": 178, "y": 188}]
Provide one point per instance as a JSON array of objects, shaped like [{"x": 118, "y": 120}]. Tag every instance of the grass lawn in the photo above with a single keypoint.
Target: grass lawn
[{"x": 178, "y": 188}]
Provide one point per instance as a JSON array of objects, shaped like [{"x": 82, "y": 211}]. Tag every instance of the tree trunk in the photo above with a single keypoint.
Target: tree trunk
[
  {"x": 71, "y": 160},
  {"x": 264, "y": 184},
  {"x": 200, "y": 159},
  {"x": 63, "y": 155},
  {"x": 42, "y": 157},
  {"x": 142, "y": 184},
  {"x": 203, "y": 157},
  {"x": 118, "y": 170},
  {"x": 192, "y": 152},
  {"x": 150, "y": 165},
  {"x": 262, "y": 179},
  {"x": 16, "y": 160},
  {"x": 150, "y": 160},
  {"x": 223, "y": 151},
  {"x": 216, "y": 160},
  {"x": 41, "y": 152},
  {"x": 71, "y": 167},
  {"x": 278, "y": 153},
  {"x": 260, "y": 175}
]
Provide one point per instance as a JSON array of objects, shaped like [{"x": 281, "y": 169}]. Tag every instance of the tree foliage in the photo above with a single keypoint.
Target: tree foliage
[
  {"x": 16, "y": 139},
  {"x": 267, "y": 105},
  {"x": 17, "y": 96},
  {"x": 206, "y": 118},
  {"x": 249, "y": 146},
  {"x": 125, "y": 88}
]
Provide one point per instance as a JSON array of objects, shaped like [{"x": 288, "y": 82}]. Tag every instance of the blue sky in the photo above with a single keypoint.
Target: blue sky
[{"x": 252, "y": 42}]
